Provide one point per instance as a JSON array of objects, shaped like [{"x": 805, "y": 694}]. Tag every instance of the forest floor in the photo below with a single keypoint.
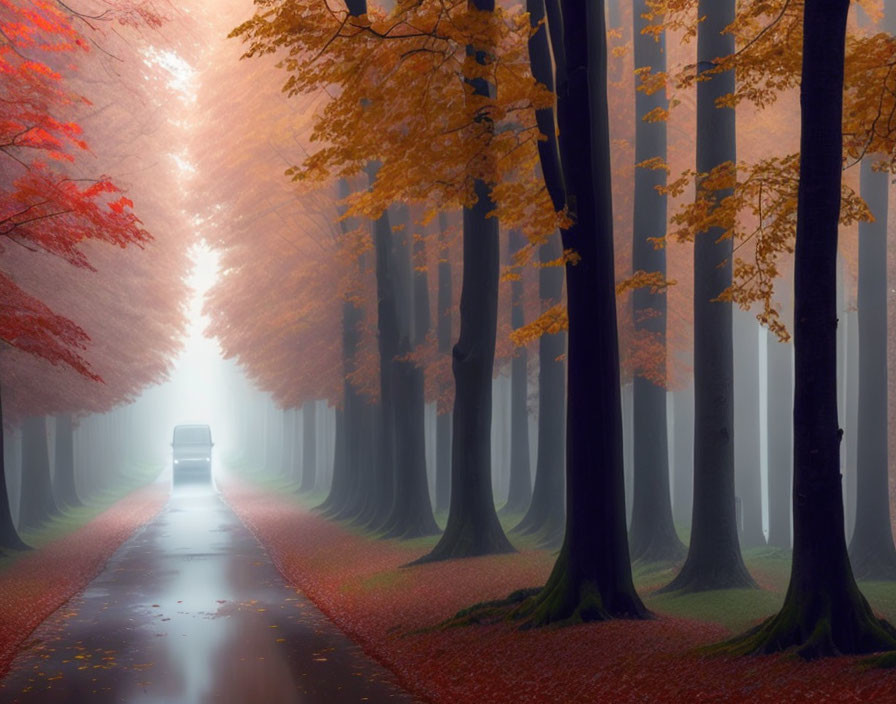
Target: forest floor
[
  {"x": 394, "y": 611},
  {"x": 69, "y": 551}
]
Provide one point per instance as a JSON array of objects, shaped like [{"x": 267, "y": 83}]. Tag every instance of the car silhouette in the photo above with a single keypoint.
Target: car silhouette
[{"x": 191, "y": 450}]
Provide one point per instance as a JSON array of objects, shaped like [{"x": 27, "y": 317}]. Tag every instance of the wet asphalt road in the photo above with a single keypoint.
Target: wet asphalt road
[{"x": 191, "y": 610}]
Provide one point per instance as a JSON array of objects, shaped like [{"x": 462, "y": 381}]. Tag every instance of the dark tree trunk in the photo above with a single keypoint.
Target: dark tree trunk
[
  {"x": 412, "y": 511},
  {"x": 747, "y": 469},
  {"x": 380, "y": 506},
  {"x": 473, "y": 527},
  {"x": 824, "y": 613},
  {"x": 591, "y": 579},
  {"x": 443, "y": 331},
  {"x": 64, "y": 482},
  {"x": 871, "y": 551},
  {"x": 780, "y": 440},
  {"x": 652, "y": 535},
  {"x": 714, "y": 560},
  {"x": 411, "y": 515},
  {"x": 546, "y": 516},
  {"x": 9, "y": 537},
  {"x": 364, "y": 453},
  {"x": 37, "y": 504},
  {"x": 520, "y": 490},
  {"x": 683, "y": 454},
  {"x": 309, "y": 447}
]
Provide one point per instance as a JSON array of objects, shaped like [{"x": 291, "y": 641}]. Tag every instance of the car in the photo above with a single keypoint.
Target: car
[{"x": 191, "y": 450}]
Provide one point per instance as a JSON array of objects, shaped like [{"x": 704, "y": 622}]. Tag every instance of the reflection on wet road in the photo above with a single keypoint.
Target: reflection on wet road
[{"x": 192, "y": 611}]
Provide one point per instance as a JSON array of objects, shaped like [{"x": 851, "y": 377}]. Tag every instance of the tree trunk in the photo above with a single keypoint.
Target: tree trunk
[
  {"x": 851, "y": 418},
  {"x": 628, "y": 448},
  {"x": 652, "y": 535},
  {"x": 591, "y": 579},
  {"x": 380, "y": 505},
  {"x": 339, "y": 484},
  {"x": 824, "y": 613},
  {"x": 473, "y": 527},
  {"x": 780, "y": 439},
  {"x": 683, "y": 454},
  {"x": 412, "y": 511},
  {"x": 546, "y": 516},
  {"x": 37, "y": 504},
  {"x": 64, "y": 482},
  {"x": 411, "y": 514},
  {"x": 350, "y": 426},
  {"x": 9, "y": 537},
  {"x": 377, "y": 502},
  {"x": 871, "y": 551},
  {"x": 747, "y": 464},
  {"x": 364, "y": 452},
  {"x": 443, "y": 331},
  {"x": 309, "y": 447},
  {"x": 344, "y": 476},
  {"x": 519, "y": 493},
  {"x": 714, "y": 560},
  {"x": 547, "y": 510},
  {"x": 443, "y": 461}
]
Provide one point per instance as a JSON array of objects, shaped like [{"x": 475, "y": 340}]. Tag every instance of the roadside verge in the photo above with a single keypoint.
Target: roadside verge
[{"x": 37, "y": 583}]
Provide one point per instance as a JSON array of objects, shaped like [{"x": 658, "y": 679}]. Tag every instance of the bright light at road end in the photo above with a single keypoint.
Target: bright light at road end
[
  {"x": 195, "y": 381},
  {"x": 181, "y": 75}
]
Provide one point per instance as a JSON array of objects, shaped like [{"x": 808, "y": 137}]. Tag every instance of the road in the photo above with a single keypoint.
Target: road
[{"x": 191, "y": 610}]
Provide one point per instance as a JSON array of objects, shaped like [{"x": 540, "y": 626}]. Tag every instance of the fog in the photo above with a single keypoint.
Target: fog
[{"x": 533, "y": 361}]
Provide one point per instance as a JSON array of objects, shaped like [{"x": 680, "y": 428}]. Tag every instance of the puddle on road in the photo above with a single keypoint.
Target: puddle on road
[{"x": 191, "y": 610}]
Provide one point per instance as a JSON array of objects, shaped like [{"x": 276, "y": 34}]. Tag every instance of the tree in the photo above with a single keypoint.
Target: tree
[
  {"x": 714, "y": 560},
  {"x": 652, "y": 532},
  {"x": 591, "y": 579},
  {"x": 545, "y": 516},
  {"x": 51, "y": 203},
  {"x": 309, "y": 447},
  {"x": 411, "y": 511},
  {"x": 872, "y": 553},
  {"x": 747, "y": 455},
  {"x": 473, "y": 527},
  {"x": 441, "y": 144},
  {"x": 64, "y": 484},
  {"x": 37, "y": 501},
  {"x": 780, "y": 440},
  {"x": 519, "y": 492},
  {"x": 824, "y": 613},
  {"x": 444, "y": 338}
]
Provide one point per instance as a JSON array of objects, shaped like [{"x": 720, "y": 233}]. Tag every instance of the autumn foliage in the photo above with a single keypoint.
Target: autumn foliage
[{"x": 69, "y": 292}]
